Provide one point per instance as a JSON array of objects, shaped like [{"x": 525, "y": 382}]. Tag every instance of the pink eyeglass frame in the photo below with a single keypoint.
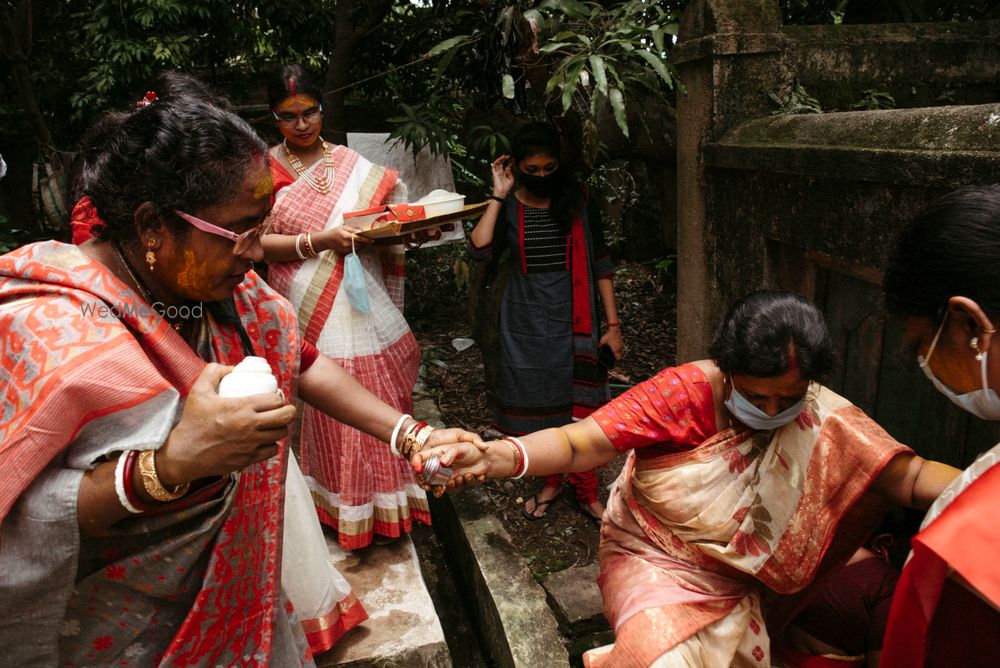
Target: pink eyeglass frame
[{"x": 240, "y": 241}]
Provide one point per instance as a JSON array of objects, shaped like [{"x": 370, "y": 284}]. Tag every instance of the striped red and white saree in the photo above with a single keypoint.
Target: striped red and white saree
[{"x": 360, "y": 488}]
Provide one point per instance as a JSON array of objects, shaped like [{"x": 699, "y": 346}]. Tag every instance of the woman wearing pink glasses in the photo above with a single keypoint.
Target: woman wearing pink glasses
[{"x": 141, "y": 514}]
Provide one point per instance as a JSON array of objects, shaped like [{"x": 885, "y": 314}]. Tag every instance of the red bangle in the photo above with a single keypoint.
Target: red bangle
[
  {"x": 613, "y": 324},
  {"x": 130, "y": 494}
]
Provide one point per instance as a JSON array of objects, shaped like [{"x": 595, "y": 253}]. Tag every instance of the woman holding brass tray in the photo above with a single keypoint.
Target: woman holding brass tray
[{"x": 349, "y": 300}]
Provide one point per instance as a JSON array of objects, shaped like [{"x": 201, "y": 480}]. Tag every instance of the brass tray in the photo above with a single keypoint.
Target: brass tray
[{"x": 394, "y": 232}]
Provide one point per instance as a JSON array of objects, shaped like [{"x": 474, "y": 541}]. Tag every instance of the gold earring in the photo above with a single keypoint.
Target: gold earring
[{"x": 150, "y": 258}]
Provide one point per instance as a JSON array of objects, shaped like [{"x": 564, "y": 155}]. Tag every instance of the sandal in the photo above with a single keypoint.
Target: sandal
[
  {"x": 586, "y": 512},
  {"x": 544, "y": 505}
]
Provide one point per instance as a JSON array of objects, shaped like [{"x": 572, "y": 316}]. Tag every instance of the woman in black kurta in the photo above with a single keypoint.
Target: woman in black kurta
[{"x": 549, "y": 327}]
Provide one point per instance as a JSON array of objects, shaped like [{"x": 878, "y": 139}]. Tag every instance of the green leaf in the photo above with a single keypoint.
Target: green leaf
[
  {"x": 508, "y": 86},
  {"x": 570, "y": 8},
  {"x": 658, "y": 65},
  {"x": 565, "y": 34},
  {"x": 618, "y": 107},
  {"x": 657, "y": 34},
  {"x": 570, "y": 84},
  {"x": 600, "y": 74},
  {"x": 552, "y": 46},
  {"x": 451, "y": 43}
]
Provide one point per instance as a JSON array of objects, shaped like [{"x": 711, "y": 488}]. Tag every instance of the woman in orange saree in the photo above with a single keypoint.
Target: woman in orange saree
[
  {"x": 746, "y": 481},
  {"x": 141, "y": 512}
]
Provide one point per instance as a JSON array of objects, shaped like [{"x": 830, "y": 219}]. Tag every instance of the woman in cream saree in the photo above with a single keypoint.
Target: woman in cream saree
[{"x": 746, "y": 481}]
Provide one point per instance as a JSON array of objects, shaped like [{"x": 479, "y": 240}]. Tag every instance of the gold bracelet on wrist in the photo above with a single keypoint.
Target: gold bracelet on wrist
[
  {"x": 310, "y": 249},
  {"x": 414, "y": 440},
  {"x": 517, "y": 458},
  {"x": 151, "y": 482}
]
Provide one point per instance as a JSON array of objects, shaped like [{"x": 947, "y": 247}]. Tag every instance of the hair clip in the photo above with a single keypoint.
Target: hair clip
[{"x": 146, "y": 100}]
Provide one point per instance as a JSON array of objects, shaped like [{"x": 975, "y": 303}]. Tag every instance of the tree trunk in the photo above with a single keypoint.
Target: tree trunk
[
  {"x": 347, "y": 36},
  {"x": 15, "y": 30}
]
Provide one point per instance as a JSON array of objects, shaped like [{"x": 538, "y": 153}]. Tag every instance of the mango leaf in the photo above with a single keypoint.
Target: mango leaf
[
  {"x": 618, "y": 107},
  {"x": 552, "y": 46},
  {"x": 614, "y": 73},
  {"x": 657, "y": 34},
  {"x": 658, "y": 66},
  {"x": 508, "y": 86},
  {"x": 450, "y": 43},
  {"x": 569, "y": 86},
  {"x": 600, "y": 74}
]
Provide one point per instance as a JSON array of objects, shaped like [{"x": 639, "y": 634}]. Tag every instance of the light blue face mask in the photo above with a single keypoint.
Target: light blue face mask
[
  {"x": 753, "y": 417},
  {"x": 983, "y": 403},
  {"x": 354, "y": 281}
]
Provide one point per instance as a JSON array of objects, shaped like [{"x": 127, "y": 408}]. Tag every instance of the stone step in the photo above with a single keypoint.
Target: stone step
[{"x": 402, "y": 628}]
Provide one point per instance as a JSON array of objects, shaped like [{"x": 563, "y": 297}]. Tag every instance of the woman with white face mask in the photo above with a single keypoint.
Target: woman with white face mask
[
  {"x": 746, "y": 479},
  {"x": 944, "y": 279}
]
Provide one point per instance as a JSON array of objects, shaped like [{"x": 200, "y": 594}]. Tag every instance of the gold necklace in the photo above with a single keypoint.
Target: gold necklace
[
  {"x": 143, "y": 291},
  {"x": 321, "y": 184}
]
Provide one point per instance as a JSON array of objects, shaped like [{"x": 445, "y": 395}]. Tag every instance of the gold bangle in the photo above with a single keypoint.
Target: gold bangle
[
  {"x": 151, "y": 482},
  {"x": 309, "y": 246},
  {"x": 517, "y": 458},
  {"x": 414, "y": 441}
]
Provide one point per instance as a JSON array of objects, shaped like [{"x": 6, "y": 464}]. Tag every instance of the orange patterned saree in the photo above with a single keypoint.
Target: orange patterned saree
[
  {"x": 88, "y": 373},
  {"x": 699, "y": 546}
]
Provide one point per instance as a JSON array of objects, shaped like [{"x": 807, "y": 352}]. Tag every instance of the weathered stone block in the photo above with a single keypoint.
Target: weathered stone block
[
  {"x": 402, "y": 628},
  {"x": 576, "y": 599}
]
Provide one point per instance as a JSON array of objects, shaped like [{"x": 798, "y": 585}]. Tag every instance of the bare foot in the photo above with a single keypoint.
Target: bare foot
[{"x": 536, "y": 507}]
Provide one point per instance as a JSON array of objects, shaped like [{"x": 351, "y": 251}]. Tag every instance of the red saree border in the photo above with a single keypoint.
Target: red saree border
[{"x": 322, "y": 633}]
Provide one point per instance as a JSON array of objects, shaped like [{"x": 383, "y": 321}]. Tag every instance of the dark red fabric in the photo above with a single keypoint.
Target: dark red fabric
[
  {"x": 790, "y": 658},
  {"x": 964, "y": 632},
  {"x": 963, "y": 539},
  {"x": 584, "y": 484},
  {"x": 852, "y": 611},
  {"x": 309, "y": 354}
]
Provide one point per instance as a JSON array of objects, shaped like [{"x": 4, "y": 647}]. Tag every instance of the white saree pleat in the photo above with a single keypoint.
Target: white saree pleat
[{"x": 308, "y": 576}]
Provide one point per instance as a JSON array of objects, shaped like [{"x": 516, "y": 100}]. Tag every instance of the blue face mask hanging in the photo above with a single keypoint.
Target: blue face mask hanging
[
  {"x": 753, "y": 417},
  {"x": 983, "y": 403},
  {"x": 354, "y": 281}
]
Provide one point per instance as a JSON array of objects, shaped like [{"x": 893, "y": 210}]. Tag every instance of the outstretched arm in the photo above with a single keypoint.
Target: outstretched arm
[
  {"x": 325, "y": 385},
  {"x": 915, "y": 482},
  {"x": 579, "y": 446}
]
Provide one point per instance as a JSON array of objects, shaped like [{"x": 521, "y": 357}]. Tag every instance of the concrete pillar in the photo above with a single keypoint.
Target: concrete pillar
[{"x": 729, "y": 56}]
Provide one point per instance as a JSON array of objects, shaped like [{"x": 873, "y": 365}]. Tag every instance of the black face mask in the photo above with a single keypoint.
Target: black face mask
[{"x": 540, "y": 186}]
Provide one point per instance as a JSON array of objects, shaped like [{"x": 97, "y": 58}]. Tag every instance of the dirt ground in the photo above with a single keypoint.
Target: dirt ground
[{"x": 436, "y": 312}]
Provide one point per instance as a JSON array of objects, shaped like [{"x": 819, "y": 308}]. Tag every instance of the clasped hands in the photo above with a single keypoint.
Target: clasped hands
[{"x": 469, "y": 460}]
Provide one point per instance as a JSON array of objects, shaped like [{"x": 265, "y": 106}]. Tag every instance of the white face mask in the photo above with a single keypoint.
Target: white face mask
[
  {"x": 982, "y": 403},
  {"x": 753, "y": 417}
]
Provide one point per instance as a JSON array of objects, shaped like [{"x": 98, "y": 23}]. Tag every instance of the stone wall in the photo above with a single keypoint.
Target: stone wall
[{"x": 813, "y": 202}]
